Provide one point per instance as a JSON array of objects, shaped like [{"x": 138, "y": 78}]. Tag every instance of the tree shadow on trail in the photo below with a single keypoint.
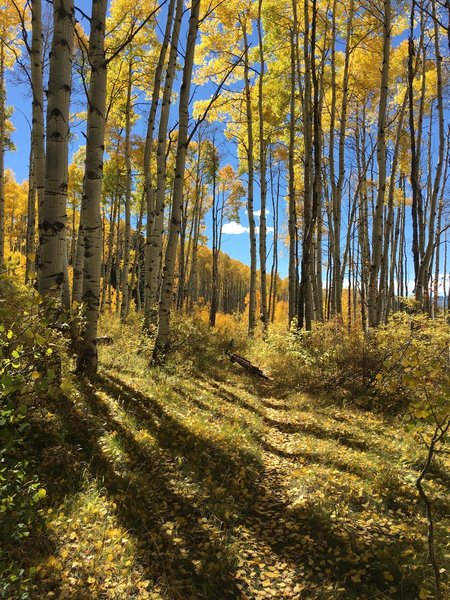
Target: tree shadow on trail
[
  {"x": 184, "y": 479},
  {"x": 203, "y": 488}
]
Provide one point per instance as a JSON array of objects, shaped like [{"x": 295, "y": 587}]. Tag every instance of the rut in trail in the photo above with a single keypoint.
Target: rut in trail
[{"x": 272, "y": 539}]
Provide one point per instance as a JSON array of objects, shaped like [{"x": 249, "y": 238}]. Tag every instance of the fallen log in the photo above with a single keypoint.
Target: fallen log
[
  {"x": 245, "y": 364},
  {"x": 104, "y": 340}
]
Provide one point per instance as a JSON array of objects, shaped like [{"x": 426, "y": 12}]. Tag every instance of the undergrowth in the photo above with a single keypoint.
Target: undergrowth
[{"x": 156, "y": 483}]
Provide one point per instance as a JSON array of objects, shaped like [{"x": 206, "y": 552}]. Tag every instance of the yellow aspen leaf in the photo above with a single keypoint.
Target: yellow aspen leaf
[{"x": 388, "y": 576}]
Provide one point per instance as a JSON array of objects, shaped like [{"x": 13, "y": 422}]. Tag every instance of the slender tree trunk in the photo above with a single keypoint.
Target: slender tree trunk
[
  {"x": 215, "y": 244},
  {"x": 262, "y": 172},
  {"x": 149, "y": 189},
  {"x": 250, "y": 175},
  {"x": 157, "y": 217},
  {"x": 377, "y": 227},
  {"x": 305, "y": 305},
  {"x": 163, "y": 331},
  {"x": 422, "y": 291},
  {"x": 52, "y": 221},
  {"x": 30, "y": 244},
  {"x": 38, "y": 141},
  {"x": 128, "y": 184},
  {"x": 292, "y": 216},
  {"x": 90, "y": 208}
]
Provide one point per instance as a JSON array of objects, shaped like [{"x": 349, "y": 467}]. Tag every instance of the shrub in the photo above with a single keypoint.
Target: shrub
[{"x": 29, "y": 366}]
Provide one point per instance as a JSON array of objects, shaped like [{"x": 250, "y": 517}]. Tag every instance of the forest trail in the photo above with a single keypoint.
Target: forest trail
[
  {"x": 271, "y": 541},
  {"x": 214, "y": 485}
]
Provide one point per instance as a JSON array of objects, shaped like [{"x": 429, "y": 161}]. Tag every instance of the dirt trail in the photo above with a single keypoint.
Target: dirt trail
[{"x": 272, "y": 539}]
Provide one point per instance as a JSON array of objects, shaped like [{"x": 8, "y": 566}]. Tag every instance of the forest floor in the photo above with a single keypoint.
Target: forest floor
[{"x": 211, "y": 484}]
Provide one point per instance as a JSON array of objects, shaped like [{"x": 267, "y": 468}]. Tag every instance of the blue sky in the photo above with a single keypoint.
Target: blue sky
[
  {"x": 235, "y": 236},
  {"x": 235, "y": 244}
]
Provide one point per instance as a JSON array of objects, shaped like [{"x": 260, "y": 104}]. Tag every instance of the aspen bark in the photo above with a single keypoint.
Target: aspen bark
[
  {"x": 128, "y": 183},
  {"x": 148, "y": 183},
  {"x": 155, "y": 245},
  {"x": 52, "y": 220},
  {"x": 90, "y": 208},
  {"x": 292, "y": 217},
  {"x": 422, "y": 281},
  {"x": 38, "y": 133},
  {"x": 250, "y": 175},
  {"x": 262, "y": 173},
  {"x": 163, "y": 331},
  {"x": 377, "y": 227}
]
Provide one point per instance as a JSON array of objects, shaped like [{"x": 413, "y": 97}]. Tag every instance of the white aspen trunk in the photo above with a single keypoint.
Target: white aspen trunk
[
  {"x": 165, "y": 303},
  {"x": 38, "y": 131},
  {"x": 77, "y": 287},
  {"x": 128, "y": 183},
  {"x": 262, "y": 172},
  {"x": 337, "y": 188},
  {"x": 149, "y": 189},
  {"x": 250, "y": 167},
  {"x": 157, "y": 217},
  {"x": 107, "y": 280},
  {"x": 422, "y": 292},
  {"x": 90, "y": 208},
  {"x": 52, "y": 220},
  {"x": 305, "y": 299},
  {"x": 292, "y": 218},
  {"x": 377, "y": 227},
  {"x": 30, "y": 244}
]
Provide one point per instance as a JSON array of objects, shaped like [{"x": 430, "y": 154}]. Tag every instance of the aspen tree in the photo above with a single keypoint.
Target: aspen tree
[
  {"x": 250, "y": 175},
  {"x": 38, "y": 143},
  {"x": 52, "y": 217},
  {"x": 162, "y": 335},
  {"x": 262, "y": 175},
  {"x": 128, "y": 183},
  {"x": 91, "y": 228},
  {"x": 377, "y": 225},
  {"x": 422, "y": 291},
  {"x": 292, "y": 217},
  {"x": 148, "y": 184},
  {"x": 157, "y": 216}
]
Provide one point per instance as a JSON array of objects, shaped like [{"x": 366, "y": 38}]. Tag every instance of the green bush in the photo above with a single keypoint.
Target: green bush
[{"x": 29, "y": 367}]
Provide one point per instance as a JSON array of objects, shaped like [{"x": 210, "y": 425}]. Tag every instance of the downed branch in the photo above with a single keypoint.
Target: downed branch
[
  {"x": 246, "y": 364},
  {"x": 104, "y": 340}
]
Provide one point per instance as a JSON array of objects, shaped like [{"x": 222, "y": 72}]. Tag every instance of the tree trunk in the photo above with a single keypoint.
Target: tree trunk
[
  {"x": 149, "y": 189},
  {"x": 157, "y": 217},
  {"x": 377, "y": 227},
  {"x": 52, "y": 221},
  {"x": 90, "y": 208},
  {"x": 128, "y": 184},
  {"x": 262, "y": 172},
  {"x": 162, "y": 336},
  {"x": 250, "y": 174}
]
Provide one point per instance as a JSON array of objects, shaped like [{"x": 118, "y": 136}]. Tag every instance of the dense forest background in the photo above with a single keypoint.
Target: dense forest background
[{"x": 184, "y": 184}]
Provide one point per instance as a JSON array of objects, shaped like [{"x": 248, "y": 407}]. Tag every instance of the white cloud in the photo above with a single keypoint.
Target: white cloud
[
  {"x": 234, "y": 228},
  {"x": 257, "y": 213}
]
